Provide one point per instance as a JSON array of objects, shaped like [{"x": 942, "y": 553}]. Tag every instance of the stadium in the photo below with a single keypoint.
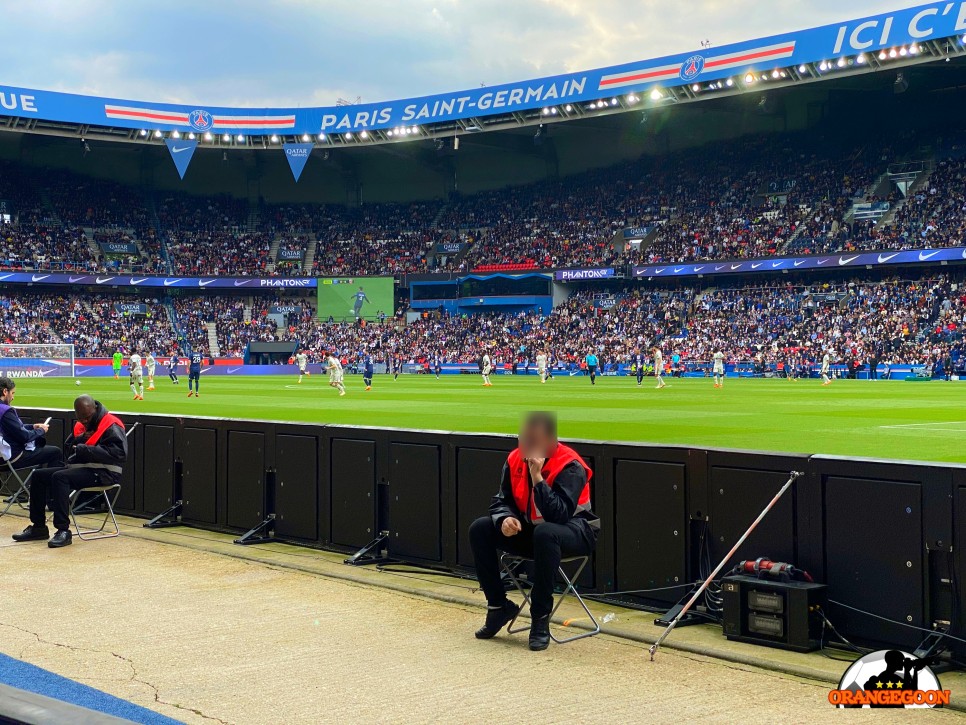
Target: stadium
[{"x": 699, "y": 316}]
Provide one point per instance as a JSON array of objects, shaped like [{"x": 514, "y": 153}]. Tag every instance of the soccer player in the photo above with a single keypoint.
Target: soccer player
[
  {"x": 359, "y": 298},
  {"x": 335, "y": 373},
  {"x": 487, "y": 369},
  {"x": 136, "y": 376},
  {"x": 591, "y": 361},
  {"x": 194, "y": 372},
  {"x": 658, "y": 367},
  {"x": 717, "y": 369},
  {"x": 369, "y": 370},
  {"x": 173, "y": 363},
  {"x": 302, "y": 360},
  {"x": 826, "y": 364},
  {"x": 397, "y": 364},
  {"x": 437, "y": 364},
  {"x": 638, "y": 360},
  {"x": 117, "y": 362},
  {"x": 542, "y": 366},
  {"x": 152, "y": 366}
]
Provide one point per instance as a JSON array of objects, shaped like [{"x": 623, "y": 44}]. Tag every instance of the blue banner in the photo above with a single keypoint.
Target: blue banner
[
  {"x": 152, "y": 281},
  {"x": 574, "y": 275},
  {"x": 785, "y": 264},
  {"x": 118, "y": 247},
  {"x": 297, "y": 155},
  {"x": 865, "y": 35},
  {"x": 181, "y": 152}
]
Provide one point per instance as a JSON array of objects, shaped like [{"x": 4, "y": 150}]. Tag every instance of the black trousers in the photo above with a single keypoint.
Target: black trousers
[
  {"x": 43, "y": 456},
  {"x": 52, "y": 487},
  {"x": 546, "y": 544}
]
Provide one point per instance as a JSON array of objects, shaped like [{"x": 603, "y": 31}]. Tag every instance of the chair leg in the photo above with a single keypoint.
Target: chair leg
[
  {"x": 94, "y": 534},
  {"x": 571, "y": 589},
  {"x": 23, "y": 489},
  {"x": 516, "y": 582}
]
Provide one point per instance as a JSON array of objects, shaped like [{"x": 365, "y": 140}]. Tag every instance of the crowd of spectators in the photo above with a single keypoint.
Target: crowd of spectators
[
  {"x": 28, "y": 246},
  {"x": 209, "y": 253}
]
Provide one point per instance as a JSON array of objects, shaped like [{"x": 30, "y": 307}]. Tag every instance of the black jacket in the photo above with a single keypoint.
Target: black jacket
[
  {"x": 108, "y": 454},
  {"x": 17, "y": 435},
  {"x": 557, "y": 504}
]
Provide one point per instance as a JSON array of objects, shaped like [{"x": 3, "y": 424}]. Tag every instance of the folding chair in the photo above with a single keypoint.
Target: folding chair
[
  {"x": 13, "y": 488},
  {"x": 109, "y": 500},
  {"x": 509, "y": 562}
]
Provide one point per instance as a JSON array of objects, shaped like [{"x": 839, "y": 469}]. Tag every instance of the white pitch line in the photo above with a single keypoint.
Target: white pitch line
[{"x": 930, "y": 425}]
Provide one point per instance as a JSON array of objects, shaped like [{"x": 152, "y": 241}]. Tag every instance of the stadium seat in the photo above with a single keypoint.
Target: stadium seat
[
  {"x": 93, "y": 534},
  {"x": 510, "y": 562}
]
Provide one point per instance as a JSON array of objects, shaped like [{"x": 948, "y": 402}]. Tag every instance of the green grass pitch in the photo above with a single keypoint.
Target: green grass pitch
[{"x": 885, "y": 419}]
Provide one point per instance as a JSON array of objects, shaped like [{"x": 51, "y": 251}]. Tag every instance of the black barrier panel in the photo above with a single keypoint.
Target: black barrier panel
[
  {"x": 737, "y": 496},
  {"x": 126, "y": 497},
  {"x": 246, "y": 479},
  {"x": 157, "y": 472},
  {"x": 353, "y": 481},
  {"x": 414, "y": 496},
  {"x": 297, "y": 487},
  {"x": 959, "y": 569},
  {"x": 477, "y": 481},
  {"x": 199, "y": 456},
  {"x": 874, "y": 550},
  {"x": 651, "y": 525}
]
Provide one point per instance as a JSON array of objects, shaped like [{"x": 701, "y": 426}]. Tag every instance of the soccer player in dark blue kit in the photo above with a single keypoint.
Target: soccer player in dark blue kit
[
  {"x": 194, "y": 372},
  {"x": 173, "y": 363},
  {"x": 638, "y": 361},
  {"x": 437, "y": 365},
  {"x": 368, "y": 371},
  {"x": 358, "y": 299}
]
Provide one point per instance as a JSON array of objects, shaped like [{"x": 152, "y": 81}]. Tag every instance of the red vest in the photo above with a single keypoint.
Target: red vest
[
  {"x": 106, "y": 422},
  {"x": 520, "y": 479}
]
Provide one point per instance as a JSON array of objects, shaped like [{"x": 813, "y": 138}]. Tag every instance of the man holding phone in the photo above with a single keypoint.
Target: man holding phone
[
  {"x": 543, "y": 512},
  {"x": 25, "y": 446},
  {"x": 99, "y": 450}
]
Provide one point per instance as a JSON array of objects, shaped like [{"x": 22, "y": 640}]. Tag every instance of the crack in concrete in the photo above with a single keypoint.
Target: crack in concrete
[{"x": 134, "y": 672}]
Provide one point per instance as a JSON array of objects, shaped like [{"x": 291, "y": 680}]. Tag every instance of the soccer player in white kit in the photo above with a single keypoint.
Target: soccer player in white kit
[
  {"x": 335, "y": 374},
  {"x": 487, "y": 369},
  {"x": 659, "y": 368},
  {"x": 152, "y": 366},
  {"x": 302, "y": 360},
  {"x": 137, "y": 376},
  {"x": 826, "y": 363},
  {"x": 718, "y": 369},
  {"x": 542, "y": 366}
]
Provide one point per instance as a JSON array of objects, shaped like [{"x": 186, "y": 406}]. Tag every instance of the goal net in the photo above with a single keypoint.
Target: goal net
[{"x": 37, "y": 360}]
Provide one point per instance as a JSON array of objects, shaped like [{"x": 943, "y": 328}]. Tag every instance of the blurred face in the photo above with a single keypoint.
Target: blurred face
[
  {"x": 535, "y": 442},
  {"x": 84, "y": 411}
]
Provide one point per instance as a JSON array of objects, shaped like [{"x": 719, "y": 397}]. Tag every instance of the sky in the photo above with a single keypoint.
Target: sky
[{"x": 312, "y": 53}]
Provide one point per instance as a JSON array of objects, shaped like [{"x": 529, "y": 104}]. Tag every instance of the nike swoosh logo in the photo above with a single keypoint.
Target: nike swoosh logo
[
  {"x": 45, "y": 373},
  {"x": 241, "y": 282},
  {"x": 169, "y": 282},
  {"x": 138, "y": 281},
  {"x": 756, "y": 266},
  {"x": 698, "y": 269},
  {"x": 176, "y": 150},
  {"x": 678, "y": 270},
  {"x": 736, "y": 266},
  {"x": 883, "y": 258},
  {"x": 846, "y": 260},
  {"x": 102, "y": 281},
  {"x": 203, "y": 283},
  {"x": 81, "y": 371},
  {"x": 823, "y": 261},
  {"x": 923, "y": 256},
  {"x": 5, "y": 276},
  {"x": 38, "y": 277},
  {"x": 800, "y": 262},
  {"x": 719, "y": 267},
  {"x": 776, "y": 265},
  {"x": 233, "y": 370},
  {"x": 75, "y": 279},
  {"x": 658, "y": 271}
]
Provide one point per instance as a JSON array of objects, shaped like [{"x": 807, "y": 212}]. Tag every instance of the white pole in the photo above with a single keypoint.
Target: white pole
[{"x": 704, "y": 585}]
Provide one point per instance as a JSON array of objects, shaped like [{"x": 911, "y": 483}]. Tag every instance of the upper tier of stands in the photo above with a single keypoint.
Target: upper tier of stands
[{"x": 751, "y": 197}]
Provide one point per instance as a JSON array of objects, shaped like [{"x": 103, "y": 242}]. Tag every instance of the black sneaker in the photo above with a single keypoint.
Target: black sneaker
[
  {"x": 540, "y": 633},
  {"x": 497, "y": 619},
  {"x": 61, "y": 538},
  {"x": 32, "y": 533}
]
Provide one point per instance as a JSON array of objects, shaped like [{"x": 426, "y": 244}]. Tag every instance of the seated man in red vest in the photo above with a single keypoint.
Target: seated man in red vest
[
  {"x": 99, "y": 447},
  {"x": 542, "y": 511}
]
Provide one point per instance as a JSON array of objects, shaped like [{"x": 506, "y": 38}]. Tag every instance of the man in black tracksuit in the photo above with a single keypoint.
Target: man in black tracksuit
[
  {"x": 99, "y": 447},
  {"x": 543, "y": 512}
]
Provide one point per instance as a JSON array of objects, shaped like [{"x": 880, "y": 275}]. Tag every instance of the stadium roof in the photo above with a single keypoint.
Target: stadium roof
[{"x": 890, "y": 41}]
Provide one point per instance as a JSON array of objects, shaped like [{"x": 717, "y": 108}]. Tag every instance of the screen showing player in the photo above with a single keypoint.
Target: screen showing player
[{"x": 352, "y": 298}]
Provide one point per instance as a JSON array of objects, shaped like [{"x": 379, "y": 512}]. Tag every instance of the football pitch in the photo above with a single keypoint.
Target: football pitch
[{"x": 884, "y": 419}]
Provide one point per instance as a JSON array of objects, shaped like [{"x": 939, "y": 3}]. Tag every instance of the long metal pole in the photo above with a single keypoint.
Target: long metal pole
[{"x": 704, "y": 585}]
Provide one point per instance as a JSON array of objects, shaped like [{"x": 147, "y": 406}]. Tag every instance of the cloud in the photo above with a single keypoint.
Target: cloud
[{"x": 303, "y": 52}]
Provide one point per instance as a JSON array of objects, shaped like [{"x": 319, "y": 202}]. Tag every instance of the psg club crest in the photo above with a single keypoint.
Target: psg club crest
[
  {"x": 200, "y": 120},
  {"x": 692, "y": 67}
]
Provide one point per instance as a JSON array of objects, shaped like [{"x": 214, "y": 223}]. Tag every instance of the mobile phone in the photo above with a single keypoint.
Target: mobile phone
[{"x": 47, "y": 422}]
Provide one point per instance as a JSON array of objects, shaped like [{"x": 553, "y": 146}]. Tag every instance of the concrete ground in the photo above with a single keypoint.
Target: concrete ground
[{"x": 185, "y": 623}]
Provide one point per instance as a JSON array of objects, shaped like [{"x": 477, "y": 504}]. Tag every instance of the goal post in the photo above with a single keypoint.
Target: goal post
[{"x": 37, "y": 360}]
